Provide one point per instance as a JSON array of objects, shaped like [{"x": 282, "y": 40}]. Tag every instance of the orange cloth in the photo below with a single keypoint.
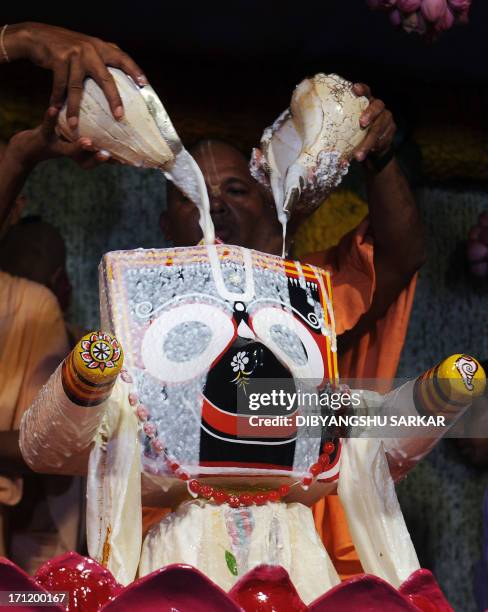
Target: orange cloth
[
  {"x": 33, "y": 342},
  {"x": 375, "y": 355},
  {"x": 151, "y": 516}
]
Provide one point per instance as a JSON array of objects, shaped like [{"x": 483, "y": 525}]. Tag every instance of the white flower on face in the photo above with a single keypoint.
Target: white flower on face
[{"x": 239, "y": 361}]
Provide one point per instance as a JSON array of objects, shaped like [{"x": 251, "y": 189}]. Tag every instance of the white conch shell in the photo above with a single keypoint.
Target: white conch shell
[
  {"x": 136, "y": 139},
  {"x": 307, "y": 150},
  {"x": 144, "y": 136}
]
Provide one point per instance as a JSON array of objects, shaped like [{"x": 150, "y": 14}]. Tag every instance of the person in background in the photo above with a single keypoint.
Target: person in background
[
  {"x": 34, "y": 289},
  {"x": 33, "y": 338},
  {"x": 35, "y": 249},
  {"x": 33, "y": 341}
]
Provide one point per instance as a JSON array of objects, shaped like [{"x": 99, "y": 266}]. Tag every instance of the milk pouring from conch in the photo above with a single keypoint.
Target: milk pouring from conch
[
  {"x": 306, "y": 152},
  {"x": 143, "y": 137}
]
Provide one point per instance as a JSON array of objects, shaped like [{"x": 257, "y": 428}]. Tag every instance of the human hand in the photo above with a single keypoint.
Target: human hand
[
  {"x": 30, "y": 147},
  {"x": 72, "y": 57},
  {"x": 382, "y": 127}
]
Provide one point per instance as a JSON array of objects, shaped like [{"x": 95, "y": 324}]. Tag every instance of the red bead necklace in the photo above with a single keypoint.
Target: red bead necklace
[{"x": 220, "y": 496}]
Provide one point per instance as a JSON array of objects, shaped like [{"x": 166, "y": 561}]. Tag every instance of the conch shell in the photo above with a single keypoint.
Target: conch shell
[
  {"x": 306, "y": 152},
  {"x": 144, "y": 136}
]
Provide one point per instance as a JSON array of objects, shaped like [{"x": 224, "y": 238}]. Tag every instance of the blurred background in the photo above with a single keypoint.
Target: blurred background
[{"x": 228, "y": 69}]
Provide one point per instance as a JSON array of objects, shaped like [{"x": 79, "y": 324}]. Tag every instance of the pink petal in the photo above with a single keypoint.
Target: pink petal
[
  {"x": 267, "y": 587},
  {"x": 420, "y": 587},
  {"x": 408, "y": 6},
  {"x": 14, "y": 579},
  {"x": 90, "y": 585},
  {"x": 175, "y": 587},
  {"x": 433, "y": 10},
  {"x": 459, "y": 5},
  {"x": 395, "y": 18},
  {"x": 363, "y": 593},
  {"x": 414, "y": 23},
  {"x": 445, "y": 22}
]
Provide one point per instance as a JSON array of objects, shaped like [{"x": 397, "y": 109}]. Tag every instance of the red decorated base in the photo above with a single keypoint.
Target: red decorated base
[{"x": 183, "y": 588}]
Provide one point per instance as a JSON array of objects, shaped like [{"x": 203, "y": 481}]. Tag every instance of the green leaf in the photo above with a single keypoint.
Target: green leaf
[{"x": 231, "y": 562}]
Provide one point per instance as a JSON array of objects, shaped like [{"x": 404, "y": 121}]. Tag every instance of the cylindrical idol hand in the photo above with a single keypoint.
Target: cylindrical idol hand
[
  {"x": 57, "y": 430},
  {"x": 91, "y": 369},
  {"x": 444, "y": 392}
]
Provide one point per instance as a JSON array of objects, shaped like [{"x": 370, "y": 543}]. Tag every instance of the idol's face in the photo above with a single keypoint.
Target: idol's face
[{"x": 242, "y": 213}]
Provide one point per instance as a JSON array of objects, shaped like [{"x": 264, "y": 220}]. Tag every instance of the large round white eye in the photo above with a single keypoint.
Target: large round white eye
[
  {"x": 184, "y": 341},
  {"x": 289, "y": 340}
]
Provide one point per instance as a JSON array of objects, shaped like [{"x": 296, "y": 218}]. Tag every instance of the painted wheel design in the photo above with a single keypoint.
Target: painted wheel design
[{"x": 100, "y": 351}]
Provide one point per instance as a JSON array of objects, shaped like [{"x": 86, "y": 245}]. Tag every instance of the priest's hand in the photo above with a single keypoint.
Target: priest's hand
[
  {"x": 382, "y": 128},
  {"x": 71, "y": 57},
  {"x": 30, "y": 147}
]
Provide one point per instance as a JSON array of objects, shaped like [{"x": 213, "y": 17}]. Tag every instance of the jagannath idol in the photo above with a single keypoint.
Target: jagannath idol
[{"x": 151, "y": 407}]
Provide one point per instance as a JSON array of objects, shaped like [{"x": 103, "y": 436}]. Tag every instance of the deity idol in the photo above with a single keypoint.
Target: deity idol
[{"x": 156, "y": 407}]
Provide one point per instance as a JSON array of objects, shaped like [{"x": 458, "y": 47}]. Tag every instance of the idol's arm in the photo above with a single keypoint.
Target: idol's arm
[
  {"x": 420, "y": 412},
  {"x": 59, "y": 427}
]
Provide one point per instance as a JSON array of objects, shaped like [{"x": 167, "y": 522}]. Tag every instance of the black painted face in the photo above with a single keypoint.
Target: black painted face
[{"x": 246, "y": 367}]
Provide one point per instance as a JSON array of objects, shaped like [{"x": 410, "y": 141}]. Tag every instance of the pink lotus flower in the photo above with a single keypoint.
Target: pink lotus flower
[
  {"x": 183, "y": 588},
  {"x": 433, "y": 10},
  {"x": 459, "y": 5},
  {"x": 424, "y": 17},
  {"x": 396, "y": 18},
  {"x": 408, "y": 6},
  {"x": 414, "y": 23},
  {"x": 445, "y": 22}
]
